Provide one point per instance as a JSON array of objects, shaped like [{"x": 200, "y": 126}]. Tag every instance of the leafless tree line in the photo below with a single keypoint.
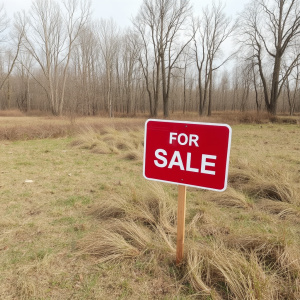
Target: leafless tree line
[{"x": 57, "y": 57}]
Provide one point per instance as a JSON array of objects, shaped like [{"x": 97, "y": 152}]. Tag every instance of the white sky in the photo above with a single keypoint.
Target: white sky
[{"x": 122, "y": 10}]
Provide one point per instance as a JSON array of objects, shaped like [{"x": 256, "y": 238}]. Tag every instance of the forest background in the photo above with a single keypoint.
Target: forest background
[{"x": 58, "y": 58}]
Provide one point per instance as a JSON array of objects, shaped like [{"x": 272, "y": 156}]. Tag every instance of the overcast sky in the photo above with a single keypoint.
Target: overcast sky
[{"x": 122, "y": 10}]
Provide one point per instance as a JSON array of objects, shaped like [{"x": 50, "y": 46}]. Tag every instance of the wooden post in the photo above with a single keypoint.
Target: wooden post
[{"x": 180, "y": 223}]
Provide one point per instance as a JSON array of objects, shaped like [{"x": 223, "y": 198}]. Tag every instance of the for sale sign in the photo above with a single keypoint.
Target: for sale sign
[{"x": 187, "y": 153}]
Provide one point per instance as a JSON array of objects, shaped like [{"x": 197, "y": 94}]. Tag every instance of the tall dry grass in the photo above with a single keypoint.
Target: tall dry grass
[
  {"x": 239, "y": 244},
  {"x": 219, "y": 264},
  {"x": 15, "y": 125},
  {"x": 144, "y": 222},
  {"x": 126, "y": 142},
  {"x": 264, "y": 181},
  {"x": 27, "y": 128}
]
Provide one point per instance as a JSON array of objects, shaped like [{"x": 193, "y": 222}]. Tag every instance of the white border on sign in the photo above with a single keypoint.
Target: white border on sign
[{"x": 197, "y": 123}]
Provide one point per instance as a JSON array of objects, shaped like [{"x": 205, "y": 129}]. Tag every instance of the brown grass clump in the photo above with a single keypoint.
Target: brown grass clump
[
  {"x": 278, "y": 191},
  {"x": 261, "y": 244},
  {"x": 127, "y": 143},
  {"x": 237, "y": 178},
  {"x": 219, "y": 263},
  {"x": 281, "y": 209},
  {"x": 113, "y": 207},
  {"x": 90, "y": 140},
  {"x": 115, "y": 241},
  {"x": 244, "y": 267},
  {"x": 133, "y": 155},
  {"x": 276, "y": 255},
  {"x": 138, "y": 236},
  {"x": 230, "y": 198},
  {"x": 209, "y": 267},
  {"x": 136, "y": 222},
  {"x": 151, "y": 207},
  {"x": 264, "y": 182},
  {"x": 272, "y": 250},
  {"x": 204, "y": 226},
  {"x": 154, "y": 207}
]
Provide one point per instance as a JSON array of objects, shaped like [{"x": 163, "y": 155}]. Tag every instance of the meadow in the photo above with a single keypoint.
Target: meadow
[{"x": 79, "y": 221}]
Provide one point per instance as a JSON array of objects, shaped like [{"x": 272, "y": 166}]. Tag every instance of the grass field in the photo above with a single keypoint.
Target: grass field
[{"x": 79, "y": 221}]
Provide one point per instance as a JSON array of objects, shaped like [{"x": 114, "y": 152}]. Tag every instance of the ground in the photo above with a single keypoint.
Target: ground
[{"x": 79, "y": 221}]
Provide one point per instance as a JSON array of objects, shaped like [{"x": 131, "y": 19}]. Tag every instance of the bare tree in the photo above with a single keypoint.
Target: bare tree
[
  {"x": 292, "y": 88},
  {"x": 149, "y": 56},
  {"x": 108, "y": 39},
  {"x": 162, "y": 21},
  {"x": 224, "y": 89},
  {"x": 10, "y": 44},
  {"x": 130, "y": 56},
  {"x": 86, "y": 72},
  {"x": 24, "y": 64},
  {"x": 186, "y": 61},
  {"x": 51, "y": 34},
  {"x": 211, "y": 33},
  {"x": 270, "y": 29},
  {"x": 246, "y": 79},
  {"x": 172, "y": 17}
]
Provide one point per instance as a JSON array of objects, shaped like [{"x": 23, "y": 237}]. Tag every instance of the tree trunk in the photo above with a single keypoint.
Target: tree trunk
[
  {"x": 275, "y": 84},
  {"x": 210, "y": 92}
]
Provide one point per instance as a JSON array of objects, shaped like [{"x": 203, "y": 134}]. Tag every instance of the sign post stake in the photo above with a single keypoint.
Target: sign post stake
[
  {"x": 187, "y": 154},
  {"x": 180, "y": 223}
]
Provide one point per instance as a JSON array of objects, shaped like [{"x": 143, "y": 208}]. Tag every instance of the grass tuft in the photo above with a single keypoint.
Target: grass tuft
[
  {"x": 277, "y": 191},
  {"x": 107, "y": 245},
  {"x": 126, "y": 142},
  {"x": 143, "y": 220},
  {"x": 133, "y": 155},
  {"x": 220, "y": 273},
  {"x": 281, "y": 209},
  {"x": 267, "y": 183},
  {"x": 231, "y": 198}
]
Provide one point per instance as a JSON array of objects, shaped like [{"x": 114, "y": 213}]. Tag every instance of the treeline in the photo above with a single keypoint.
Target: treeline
[{"x": 57, "y": 57}]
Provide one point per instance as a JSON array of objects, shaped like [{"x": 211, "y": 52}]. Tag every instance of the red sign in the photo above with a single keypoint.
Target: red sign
[{"x": 187, "y": 153}]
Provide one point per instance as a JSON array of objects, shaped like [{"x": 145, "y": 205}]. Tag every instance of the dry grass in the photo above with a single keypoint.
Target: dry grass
[
  {"x": 264, "y": 183},
  {"x": 263, "y": 180},
  {"x": 126, "y": 142},
  {"x": 231, "y": 198},
  {"x": 142, "y": 222},
  {"x": 223, "y": 262},
  {"x": 280, "y": 209},
  {"x": 116, "y": 242},
  {"x": 11, "y": 113},
  {"x": 244, "y": 278},
  {"x": 15, "y": 125},
  {"x": 89, "y": 226},
  {"x": 15, "y": 128}
]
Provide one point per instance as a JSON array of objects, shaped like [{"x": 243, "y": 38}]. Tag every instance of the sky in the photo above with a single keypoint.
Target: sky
[{"x": 122, "y": 10}]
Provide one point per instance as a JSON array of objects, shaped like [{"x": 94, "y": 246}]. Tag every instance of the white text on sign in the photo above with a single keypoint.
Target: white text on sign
[
  {"x": 183, "y": 139},
  {"x": 176, "y": 160}
]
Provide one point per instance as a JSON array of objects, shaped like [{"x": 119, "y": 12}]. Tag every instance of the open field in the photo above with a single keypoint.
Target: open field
[{"x": 79, "y": 221}]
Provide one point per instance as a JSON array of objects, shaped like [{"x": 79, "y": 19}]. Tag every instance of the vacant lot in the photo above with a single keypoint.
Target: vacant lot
[{"x": 79, "y": 221}]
